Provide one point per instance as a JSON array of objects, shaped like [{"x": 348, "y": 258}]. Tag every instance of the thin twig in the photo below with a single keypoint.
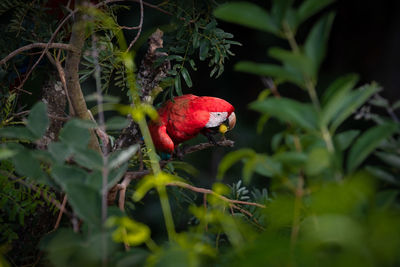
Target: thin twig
[
  {"x": 269, "y": 83},
  {"x": 35, "y": 45},
  {"x": 210, "y": 192},
  {"x": 46, "y": 48},
  {"x": 137, "y": 1},
  {"x": 139, "y": 27},
  {"x": 248, "y": 213},
  {"x": 202, "y": 146},
  {"x": 49, "y": 44},
  {"x": 130, "y": 28},
  {"x": 61, "y": 212},
  {"x": 129, "y": 176}
]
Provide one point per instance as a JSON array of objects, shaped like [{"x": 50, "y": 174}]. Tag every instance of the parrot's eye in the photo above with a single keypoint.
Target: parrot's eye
[{"x": 216, "y": 119}]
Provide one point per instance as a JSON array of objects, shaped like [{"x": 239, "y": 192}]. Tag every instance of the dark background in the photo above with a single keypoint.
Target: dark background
[{"x": 365, "y": 38}]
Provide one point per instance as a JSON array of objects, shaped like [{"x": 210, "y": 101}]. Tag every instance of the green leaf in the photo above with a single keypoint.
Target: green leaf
[
  {"x": 85, "y": 201},
  {"x": 59, "y": 151},
  {"x": 6, "y": 153},
  {"x": 116, "y": 123},
  {"x": 345, "y": 139},
  {"x": 38, "y": 120},
  {"x": 121, "y": 156},
  {"x": 27, "y": 165},
  {"x": 270, "y": 70},
  {"x": 192, "y": 64},
  {"x": 186, "y": 77},
  {"x": 116, "y": 174},
  {"x": 288, "y": 110},
  {"x": 279, "y": 10},
  {"x": 389, "y": 158},
  {"x": 383, "y": 175},
  {"x": 21, "y": 133},
  {"x": 64, "y": 174},
  {"x": 95, "y": 180},
  {"x": 316, "y": 43},
  {"x": 297, "y": 61},
  {"x": 88, "y": 158},
  {"x": 247, "y": 14},
  {"x": 396, "y": 105},
  {"x": 268, "y": 166},
  {"x": 128, "y": 231},
  {"x": 318, "y": 160},
  {"x": 204, "y": 48},
  {"x": 309, "y": 8},
  {"x": 184, "y": 166},
  {"x": 231, "y": 158},
  {"x": 178, "y": 85},
  {"x": 74, "y": 135},
  {"x": 367, "y": 143},
  {"x": 291, "y": 158},
  {"x": 249, "y": 168},
  {"x": 349, "y": 104},
  {"x": 341, "y": 85}
]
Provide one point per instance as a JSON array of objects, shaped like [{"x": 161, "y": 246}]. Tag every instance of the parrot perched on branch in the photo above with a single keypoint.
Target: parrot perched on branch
[{"x": 187, "y": 116}]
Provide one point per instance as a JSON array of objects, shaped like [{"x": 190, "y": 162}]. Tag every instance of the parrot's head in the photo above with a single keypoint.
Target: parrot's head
[
  {"x": 222, "y": 116},
  {"x": 221, "y": 121}
]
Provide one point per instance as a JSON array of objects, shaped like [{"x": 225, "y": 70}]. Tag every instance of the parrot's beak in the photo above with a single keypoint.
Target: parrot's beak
[
  {"x": 232, "y": 120},
  {"x": 229, "y": 124}
]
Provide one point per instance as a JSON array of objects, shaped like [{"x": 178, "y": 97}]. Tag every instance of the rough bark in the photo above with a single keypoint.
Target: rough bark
[
  {"x": 56, "y": 100},
  {"x": 71, "y": 73},
  {"x": 148, "y": 77}
]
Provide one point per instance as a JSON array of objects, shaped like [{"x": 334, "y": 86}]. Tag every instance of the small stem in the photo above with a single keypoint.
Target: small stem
[
  {"x": 290, "y": 37},
  {"x": 310, "y": 87},
  {"x": 312, "y": 93},
  {"x": 61, "y": 212},
  {"x": 149, "y": 144},
  {"x": 151, "y": 245},
  {"x": 328, "y": 139},
  {"x": 104, "y": 152},
  {"x": 166, "y": 208},
  {"x": 296, "y": 212}
]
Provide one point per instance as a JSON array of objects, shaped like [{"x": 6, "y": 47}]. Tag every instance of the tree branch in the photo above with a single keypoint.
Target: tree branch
[
  {"x": 148, "y": 78},
  {"x": 210, "y": 192},
  {"x": 202, "y": 146},
  {"x": 35, "y": 45},
  {"x": 72, "y": 61},
  {"x": 129, "y": 176}
]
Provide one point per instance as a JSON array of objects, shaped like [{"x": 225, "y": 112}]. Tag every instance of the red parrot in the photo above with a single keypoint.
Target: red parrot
[{"x": 188, "y": 115}]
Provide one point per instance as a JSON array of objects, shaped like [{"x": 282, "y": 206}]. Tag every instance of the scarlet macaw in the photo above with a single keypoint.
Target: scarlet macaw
[{"x": 188, "y": 115}]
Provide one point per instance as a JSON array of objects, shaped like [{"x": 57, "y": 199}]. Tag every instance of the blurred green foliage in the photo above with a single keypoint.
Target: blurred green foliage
[{"x": 328, "y": 203}]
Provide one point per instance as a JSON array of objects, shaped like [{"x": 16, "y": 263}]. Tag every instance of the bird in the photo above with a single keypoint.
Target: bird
[{"x": 186, "y": 116}]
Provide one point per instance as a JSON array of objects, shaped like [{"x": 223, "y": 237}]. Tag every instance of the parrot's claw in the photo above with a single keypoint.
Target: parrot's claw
[{"x": 211, "y": 139}]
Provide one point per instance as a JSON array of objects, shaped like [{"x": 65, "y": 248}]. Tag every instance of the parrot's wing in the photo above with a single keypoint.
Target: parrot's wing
[
  {"x": 184, "y": 122},
  {"x": 161, "y": 139}
]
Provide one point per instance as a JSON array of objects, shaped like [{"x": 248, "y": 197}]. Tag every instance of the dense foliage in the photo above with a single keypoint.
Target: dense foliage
[{"x": 332, "y": 188}]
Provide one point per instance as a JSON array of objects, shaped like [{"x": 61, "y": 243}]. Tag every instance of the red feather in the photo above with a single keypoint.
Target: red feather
[{"x": 183, "y": 118}]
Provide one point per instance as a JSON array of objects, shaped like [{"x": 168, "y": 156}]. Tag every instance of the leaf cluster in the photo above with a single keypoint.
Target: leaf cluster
[
  {"x": 194, "y": 35},
  {"x": 322, "y": 169}
]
